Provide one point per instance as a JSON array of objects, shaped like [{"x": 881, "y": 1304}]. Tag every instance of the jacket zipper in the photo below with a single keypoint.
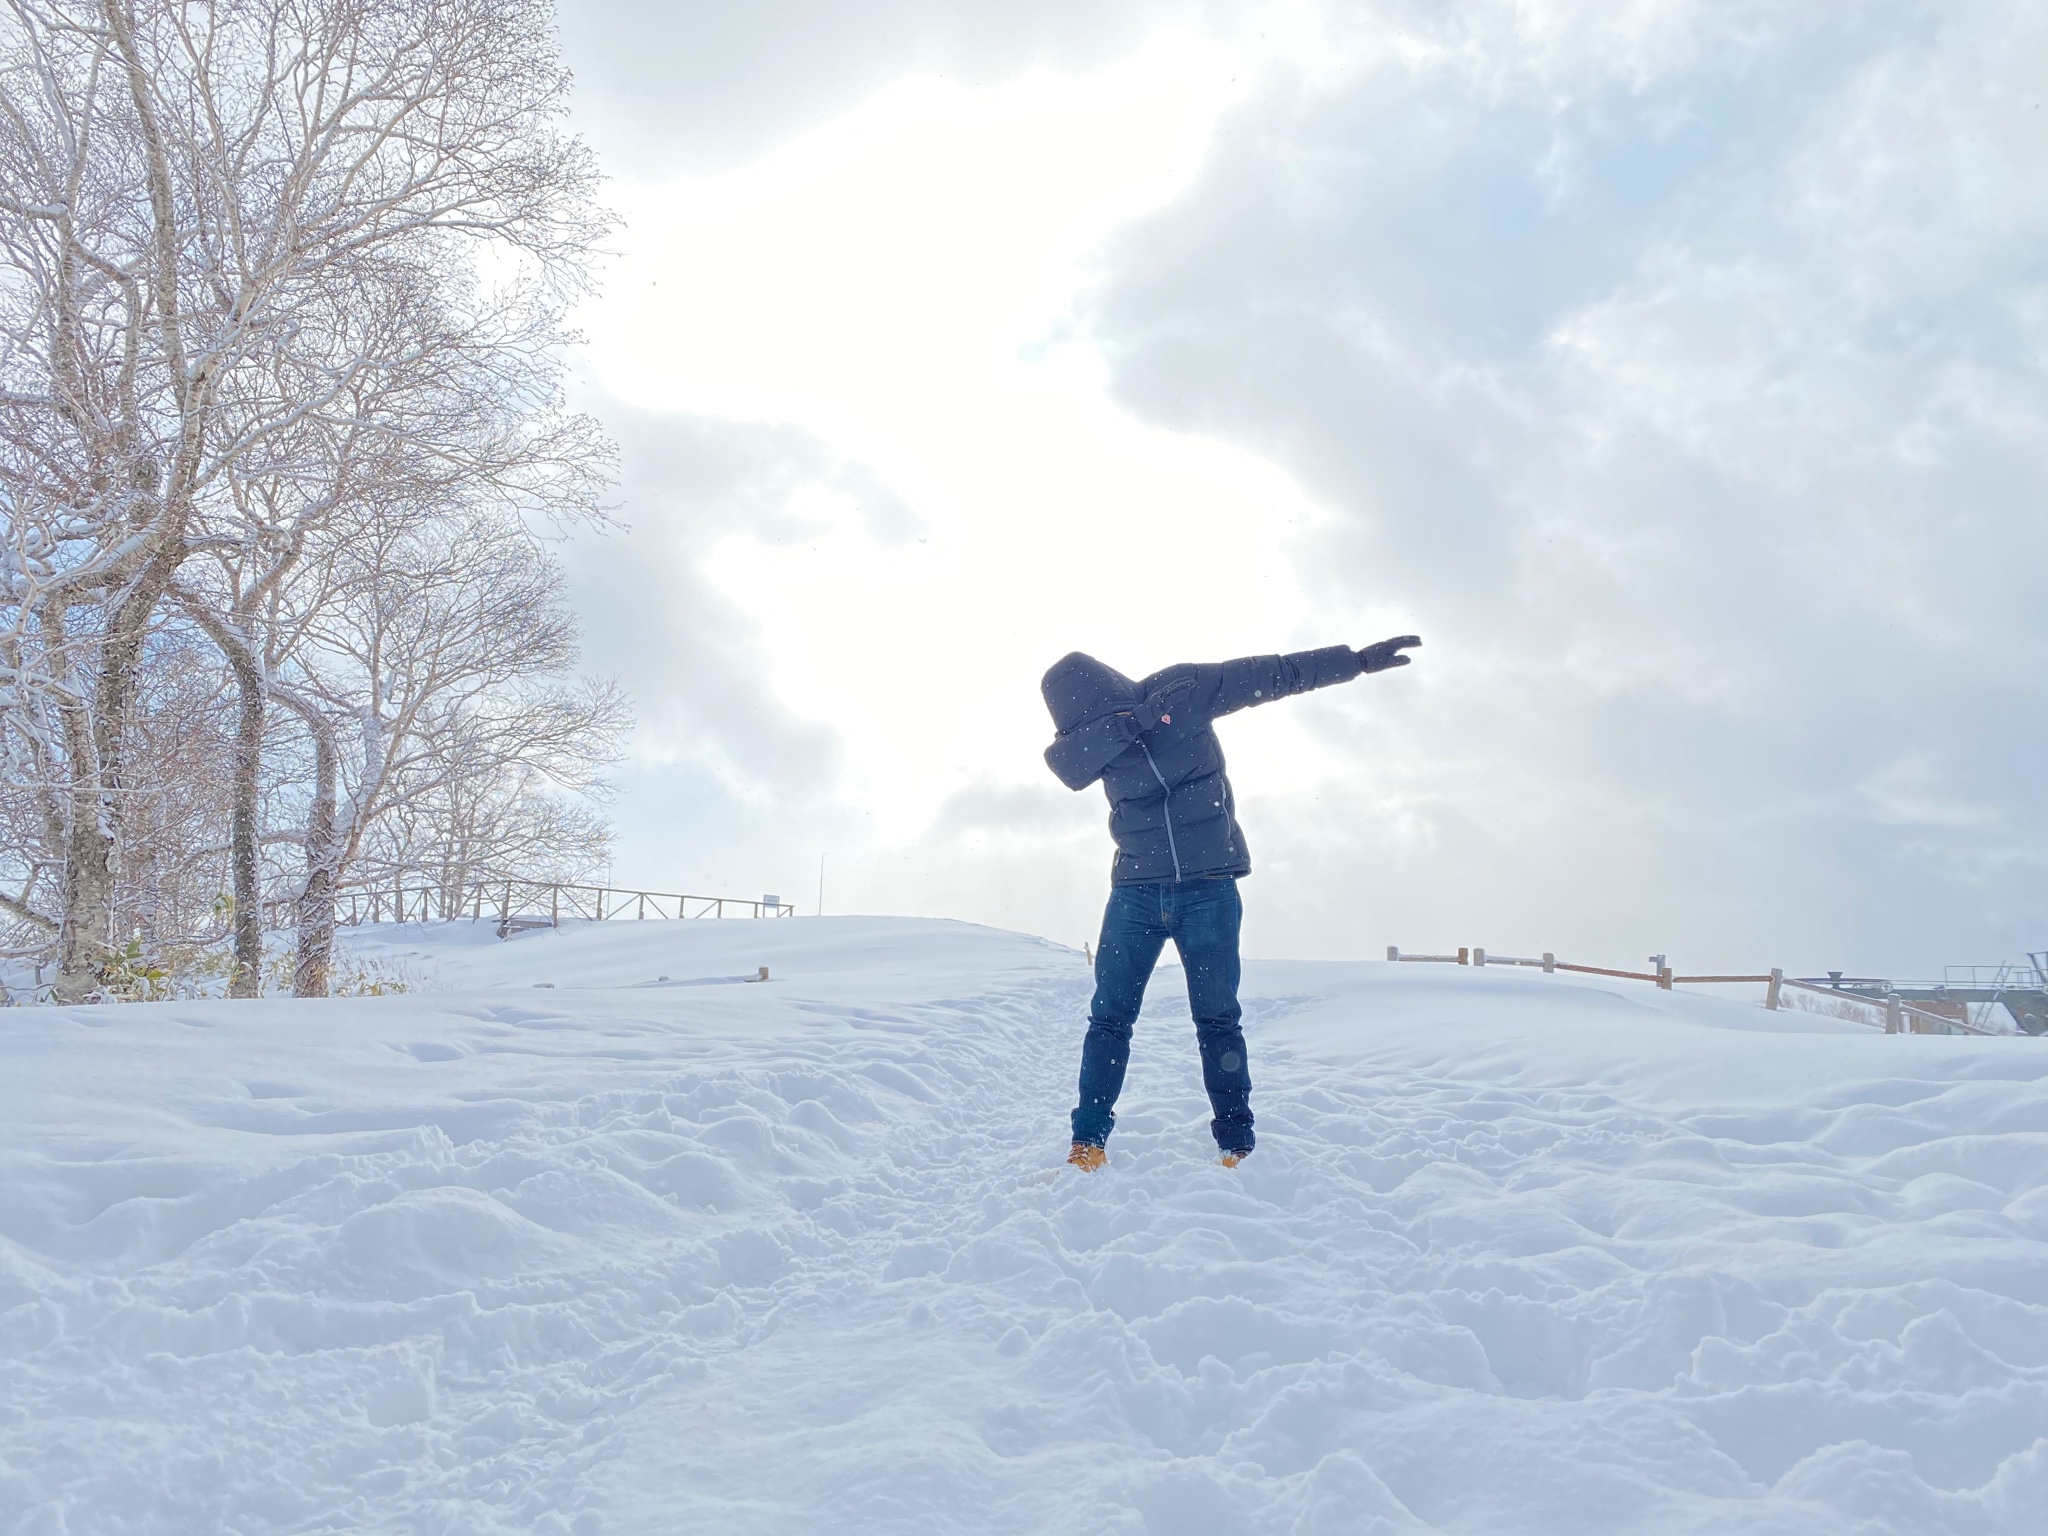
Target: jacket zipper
[{"x": 1165, "y": 809}]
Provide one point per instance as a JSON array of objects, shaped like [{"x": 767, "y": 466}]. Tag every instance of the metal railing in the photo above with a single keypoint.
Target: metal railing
[
  {"x": 1889, "y": 1011},
  {"x": 521, "y": 904},
  {"x": 1975, "y": 996}
]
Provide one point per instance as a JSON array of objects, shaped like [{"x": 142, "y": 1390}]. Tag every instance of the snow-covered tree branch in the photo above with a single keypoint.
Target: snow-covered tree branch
[{"x": 273, "y": 273}]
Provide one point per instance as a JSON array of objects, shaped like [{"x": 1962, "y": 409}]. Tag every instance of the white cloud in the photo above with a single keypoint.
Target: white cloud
[
  {"x": 899, "y": 284},
  {"x": 667, "y": 87},
  {"x": 1675, "y": 368}
]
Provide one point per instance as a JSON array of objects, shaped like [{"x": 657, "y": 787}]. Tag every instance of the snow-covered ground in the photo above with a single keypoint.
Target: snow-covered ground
[{"x": 650, "y": 1250}]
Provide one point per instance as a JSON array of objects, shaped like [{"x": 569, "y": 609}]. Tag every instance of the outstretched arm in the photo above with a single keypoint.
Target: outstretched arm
[
  {"x": 1212, "y": 689},
  {"x": 1261, "y": 679}
]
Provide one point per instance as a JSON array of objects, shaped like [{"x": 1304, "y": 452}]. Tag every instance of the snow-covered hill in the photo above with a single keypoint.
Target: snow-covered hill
[{"x": 599, "y": 1239}]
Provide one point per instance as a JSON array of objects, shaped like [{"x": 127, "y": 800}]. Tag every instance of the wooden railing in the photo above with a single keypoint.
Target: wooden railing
[
  {"x": 1891, "y": 1013},
  {"x": 1662, "y": 976},
  {"x": 521, "y": 904}
]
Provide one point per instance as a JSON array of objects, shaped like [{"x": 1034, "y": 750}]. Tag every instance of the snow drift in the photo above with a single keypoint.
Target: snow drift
[{"x": 598, "y": 1238}]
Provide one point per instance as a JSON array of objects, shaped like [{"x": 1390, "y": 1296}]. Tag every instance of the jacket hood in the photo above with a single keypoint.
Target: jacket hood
[{"x": 1077, "y": 687}]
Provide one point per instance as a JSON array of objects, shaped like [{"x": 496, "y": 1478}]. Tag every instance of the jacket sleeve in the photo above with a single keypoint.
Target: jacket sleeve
[
  {"x": 1079, "y": 756},
  {"x": 1235, "y": 685}
]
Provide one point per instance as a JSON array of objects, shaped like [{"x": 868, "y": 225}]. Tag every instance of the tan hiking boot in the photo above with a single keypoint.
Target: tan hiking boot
[
  {"x": 1232, "y": 1159},
  {"x": 1087, "y": 1157}
]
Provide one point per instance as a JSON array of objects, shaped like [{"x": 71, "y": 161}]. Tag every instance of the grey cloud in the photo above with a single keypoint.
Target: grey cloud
[
  {"x": 653, "y": 617},
  {"x": 692, "y": 87},
  {"x": 1033, "y": 858},
  {"x": 1690, "y": 403},
  {"x": 729, "y": 793},
  {"x": 993, "y": 812}
]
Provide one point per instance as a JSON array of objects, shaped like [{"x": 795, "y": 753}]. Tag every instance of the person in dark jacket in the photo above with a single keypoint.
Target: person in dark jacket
[{"x": 1179, "y": 855}]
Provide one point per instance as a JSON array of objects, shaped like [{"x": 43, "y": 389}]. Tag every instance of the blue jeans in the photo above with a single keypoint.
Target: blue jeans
[{"x": 1201, "y": 917}]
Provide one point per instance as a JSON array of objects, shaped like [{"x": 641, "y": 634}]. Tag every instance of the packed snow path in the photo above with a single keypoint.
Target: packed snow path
[{"x": 652, "y": 1251}]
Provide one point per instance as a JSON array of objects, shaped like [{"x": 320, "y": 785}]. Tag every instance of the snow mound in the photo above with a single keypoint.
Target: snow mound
[{"x": 600, "y": 1238}]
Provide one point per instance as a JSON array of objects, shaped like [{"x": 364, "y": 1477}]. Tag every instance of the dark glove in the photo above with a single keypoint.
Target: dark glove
[{"x": 1387, "y": 653}]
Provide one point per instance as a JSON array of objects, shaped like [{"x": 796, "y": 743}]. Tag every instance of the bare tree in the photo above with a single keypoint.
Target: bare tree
[
  {"x": 175, "y": 822},
  {"x": 225, "y": 227},
  {"x": 432, "y": 677},
  {"x": 484, "y": 821}
]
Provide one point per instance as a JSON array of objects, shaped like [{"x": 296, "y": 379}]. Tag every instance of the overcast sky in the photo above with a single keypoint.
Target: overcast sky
[{"x": 1675, "y": 369}]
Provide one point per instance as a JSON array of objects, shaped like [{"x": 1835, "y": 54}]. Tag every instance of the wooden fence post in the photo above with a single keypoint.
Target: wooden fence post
[
  {"x": 1393, "y": 951},
  {"x": 1478, "y": 956},
  {"x": 1549, "y": 962},
  {"x": 1894, "y": 1015},
  {"x": 1664, "y": 977},
  {"x": 1464, "y": 955},
  {"x": 1777, "y": 985}
]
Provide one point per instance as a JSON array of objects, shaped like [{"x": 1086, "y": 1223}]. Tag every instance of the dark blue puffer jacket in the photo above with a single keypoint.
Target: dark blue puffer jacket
[{"x": 1150, "y": 742}]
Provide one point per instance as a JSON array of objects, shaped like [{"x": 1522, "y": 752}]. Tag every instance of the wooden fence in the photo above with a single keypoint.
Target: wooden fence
[
  {"x": 516, "y": 905},
  {"x": 1891, "y": 1013}
]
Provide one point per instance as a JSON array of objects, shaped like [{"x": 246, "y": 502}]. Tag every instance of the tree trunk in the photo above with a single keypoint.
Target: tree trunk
[
  {"x": 92, "y": 847},
  {"x": 84, "y": 937},
  {"x": 314, "y": 961},
  {"x": 85, "y": 928},
  {"x": 247, "y": 980},
  {"x": 252, "y": 696}
]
